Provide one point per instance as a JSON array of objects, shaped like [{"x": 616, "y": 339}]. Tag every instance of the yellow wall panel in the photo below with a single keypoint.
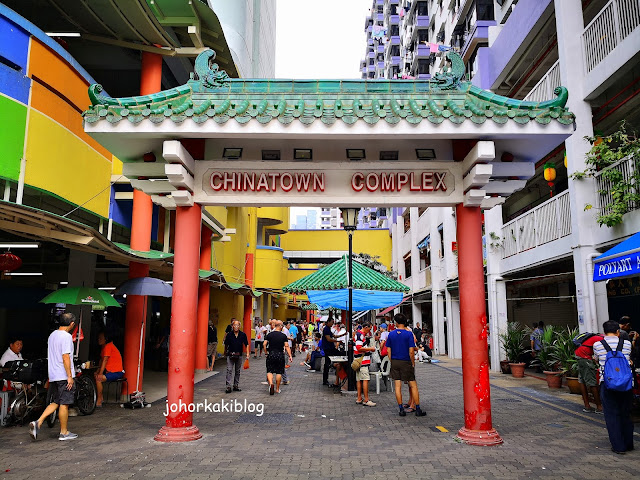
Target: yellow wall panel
[
  {"x": 59, "y": 162},
  {"x": 219, "y": 213},
  {"x": 116, "y": 166},
  {"x": 373, "y": 242},
  {"x": 268, "y": 267}
]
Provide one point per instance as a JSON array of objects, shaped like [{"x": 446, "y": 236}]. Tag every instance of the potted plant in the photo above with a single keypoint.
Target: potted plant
[
  {"x": 513, "y": 343},
  {"x": 545, "y": 357},
  {"x": 564, "y": 354}
]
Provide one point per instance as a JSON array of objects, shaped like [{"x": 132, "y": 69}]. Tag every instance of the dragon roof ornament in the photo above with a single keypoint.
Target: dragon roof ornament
[{"x": 212, "y": 95}]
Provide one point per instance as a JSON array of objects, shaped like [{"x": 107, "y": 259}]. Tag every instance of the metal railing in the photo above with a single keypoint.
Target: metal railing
[
  {"x": 614, "y": 23},
  {"x": 543, "y": 90},
  {"x": 545, "y": 223},
  {"x": 628, "y": 167}
]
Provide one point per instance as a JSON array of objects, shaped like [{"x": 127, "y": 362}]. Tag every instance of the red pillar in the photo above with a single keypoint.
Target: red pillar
[
  {"x": 179, "y": 424},
  {"x": 141, "y": 218},
  {"x": 248, "y": 299},
  {"x": 477, "y": 428},
  {"x": 204, "y": 290}
]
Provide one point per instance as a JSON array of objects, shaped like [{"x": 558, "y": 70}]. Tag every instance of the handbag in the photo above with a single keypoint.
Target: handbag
[{"x": 356, "y": 364}]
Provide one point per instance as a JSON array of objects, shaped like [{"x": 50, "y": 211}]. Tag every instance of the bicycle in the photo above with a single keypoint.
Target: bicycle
[{"x": 86, "y": 395}]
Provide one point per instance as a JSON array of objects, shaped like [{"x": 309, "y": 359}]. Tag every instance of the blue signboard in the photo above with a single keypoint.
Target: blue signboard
[{"x": 621, "y": 261}]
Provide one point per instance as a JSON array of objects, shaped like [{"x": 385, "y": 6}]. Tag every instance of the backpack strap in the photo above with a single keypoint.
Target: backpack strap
[
  {"x": 620, "y": 345},
  {"x": 606, "y": 345}
]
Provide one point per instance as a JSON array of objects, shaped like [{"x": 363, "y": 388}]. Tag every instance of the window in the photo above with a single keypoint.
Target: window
[
  {"x": 394, "y": 31},
  {"x": 423, "y": 65},
  {"x": 407, "y": 266},
  {"x": 407, "y": 223},
  {"x": 423, "y": 36},
  {"x": 424, "y": 248},
  {"x": 395, "y": 50},
  {"x": 441, "y": 234},
  {"x": 423, "y": 8}
]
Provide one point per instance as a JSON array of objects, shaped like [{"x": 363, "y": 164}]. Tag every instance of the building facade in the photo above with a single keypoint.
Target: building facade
[{"x": 541, "y": 243}]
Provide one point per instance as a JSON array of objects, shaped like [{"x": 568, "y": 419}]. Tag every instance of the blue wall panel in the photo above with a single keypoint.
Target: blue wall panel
[{"x": 14, "y": 51}]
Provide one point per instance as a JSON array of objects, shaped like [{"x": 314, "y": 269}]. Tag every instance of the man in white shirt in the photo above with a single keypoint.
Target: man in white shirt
[
  {"x": 285, "y": 377},
  {"x": 62, "y": 386},
  {"x": 341, "y": 333},
  {"x": 13, "y": 351}
]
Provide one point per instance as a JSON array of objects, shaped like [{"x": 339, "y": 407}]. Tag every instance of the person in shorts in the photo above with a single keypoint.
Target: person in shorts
[
  {"x": 276, "y": 343},
  {"x": 401, "y": 348},
  {"x": 111, "y": 368},
  {"x": 62, "y": 388},
  {"x": 260, "y": 332},
  {"x": 587, "y": 373},
  {"x": 212, "y": 344},
  {"x": 361, "y": 349}
]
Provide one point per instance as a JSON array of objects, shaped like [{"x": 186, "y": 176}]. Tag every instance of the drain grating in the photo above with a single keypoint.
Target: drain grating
[{"x": 282, "y": 418}]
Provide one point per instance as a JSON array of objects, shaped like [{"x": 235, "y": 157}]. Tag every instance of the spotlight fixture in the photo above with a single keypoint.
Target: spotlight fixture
[
  {"x": 425, "y": 153},
  {"x": 302, "y": 154},
  {"x": 232, "y": 153},
  {"x": 270, "y": 154},
  {"x": 355, "y": 153},
  {"x": 389, "y": 155}
]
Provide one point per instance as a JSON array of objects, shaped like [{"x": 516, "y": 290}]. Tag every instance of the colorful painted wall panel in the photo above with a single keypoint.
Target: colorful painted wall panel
[
  {"x": 13, "y": 117},
  {"x": 14, "y": 49},
  {"x": 59, "y": 162}
]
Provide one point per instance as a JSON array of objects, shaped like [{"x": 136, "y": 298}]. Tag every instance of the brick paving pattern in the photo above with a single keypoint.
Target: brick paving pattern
[{"x": 310, "y": 432}]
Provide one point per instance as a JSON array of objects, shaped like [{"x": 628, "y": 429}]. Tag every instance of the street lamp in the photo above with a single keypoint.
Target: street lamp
[{"x": 350, "y": 223}]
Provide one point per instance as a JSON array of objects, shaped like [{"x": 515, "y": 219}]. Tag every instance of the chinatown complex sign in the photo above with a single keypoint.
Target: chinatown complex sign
[{"x": 336, "y": 143}]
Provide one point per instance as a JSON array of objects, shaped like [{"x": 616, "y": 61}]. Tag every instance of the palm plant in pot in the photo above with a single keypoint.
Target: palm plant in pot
[
  {"x": 564, "y": 354},
  {"x": 513, "y": 343},
  {"x": 545, "y": 357}
]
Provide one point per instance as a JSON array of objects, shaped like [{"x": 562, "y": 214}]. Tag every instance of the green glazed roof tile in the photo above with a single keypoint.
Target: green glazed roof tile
[
  {"x": 151, "y": 254},
  {"x": 336, "y": 276},
  {"x": 213, "y": 96}
]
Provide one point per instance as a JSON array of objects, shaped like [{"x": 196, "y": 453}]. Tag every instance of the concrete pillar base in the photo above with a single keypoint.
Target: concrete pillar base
[
  {"x": 481, "y": 438},
  {"x": 178, "y": 434}
]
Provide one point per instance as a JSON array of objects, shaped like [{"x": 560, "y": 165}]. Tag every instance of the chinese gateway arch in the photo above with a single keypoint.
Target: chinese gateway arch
[{"x": 233, "y": 142}]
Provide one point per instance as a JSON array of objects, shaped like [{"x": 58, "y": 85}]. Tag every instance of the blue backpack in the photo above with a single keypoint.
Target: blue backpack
[{"x": 617, "y": 372}]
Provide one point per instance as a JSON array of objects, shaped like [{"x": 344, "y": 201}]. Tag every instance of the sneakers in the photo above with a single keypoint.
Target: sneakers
[
  {"x": 420, "y": 412},
  {"x": 33, "y": 430},
  {"x": 67, "y": 436},
  {"x": 310, "y": 370},
  {"x": 403, "y": 413},
  {"x": 369, "y": 404},
  {"x": 359, "y": 402},
  {"x": 286, "y": 383},
  {"x": 237, "y": 389},
  {"x": 308, "y": 366},
  {"x": 228, "y": 390},
  {"x": 588, "y": 410}
]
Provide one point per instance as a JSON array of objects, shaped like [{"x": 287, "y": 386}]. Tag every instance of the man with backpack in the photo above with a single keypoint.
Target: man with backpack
[
  {"x": 587, "y": 369},
  {"x": 615, "y": 386}
]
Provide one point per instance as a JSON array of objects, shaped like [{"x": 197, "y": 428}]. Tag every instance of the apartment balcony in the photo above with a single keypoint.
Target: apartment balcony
[
  {"x": 422, "y": 21},
  {"x": 421, "y": 52},
  {"x": 628, "y": 168},
  {"x": 609, "y": 42},
  {"x": 537, "y": 235},
  {"x": 394, "y": 20},
  {"x": 543, "y": 90},
  {"x": 479, "y": 33}
]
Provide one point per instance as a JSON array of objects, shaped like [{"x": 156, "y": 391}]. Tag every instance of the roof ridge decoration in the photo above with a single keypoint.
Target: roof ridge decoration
[{"x": 212, "y": 95}]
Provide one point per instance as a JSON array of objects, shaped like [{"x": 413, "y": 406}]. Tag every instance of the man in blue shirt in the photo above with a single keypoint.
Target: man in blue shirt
[{"x": 401, "y": 347}]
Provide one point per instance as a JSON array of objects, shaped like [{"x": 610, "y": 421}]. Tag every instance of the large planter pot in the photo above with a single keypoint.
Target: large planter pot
[
  {"x": 517, "y": 369},
  {"x": 554, "y": 379},
  {"x": 504, "y": 366},
  {"x": 574, "y": 385}
]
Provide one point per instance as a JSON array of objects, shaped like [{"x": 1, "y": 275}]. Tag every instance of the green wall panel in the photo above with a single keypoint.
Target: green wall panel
[{"x": 13, "y": 118}]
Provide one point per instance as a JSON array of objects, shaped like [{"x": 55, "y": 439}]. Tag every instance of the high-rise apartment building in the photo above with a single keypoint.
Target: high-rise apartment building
[{"x": 542, "y": 242}]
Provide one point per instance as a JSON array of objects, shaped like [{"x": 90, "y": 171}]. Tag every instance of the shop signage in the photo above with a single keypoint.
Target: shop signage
[
  {"x": 623, "y": 266},
  {"x": 351, "y": 184}
]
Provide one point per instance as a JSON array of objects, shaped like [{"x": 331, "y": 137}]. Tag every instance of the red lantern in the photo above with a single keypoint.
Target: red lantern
[{"x": 9, "y": 262}]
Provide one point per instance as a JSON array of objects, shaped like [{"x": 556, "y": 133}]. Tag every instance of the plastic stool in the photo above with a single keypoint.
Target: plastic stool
[{"x": 118, "y": 383}]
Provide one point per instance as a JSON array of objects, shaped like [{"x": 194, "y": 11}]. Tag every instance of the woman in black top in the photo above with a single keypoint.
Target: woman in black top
[{"x": 275, "y": 344}]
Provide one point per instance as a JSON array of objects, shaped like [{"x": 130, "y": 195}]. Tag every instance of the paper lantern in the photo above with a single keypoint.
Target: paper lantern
[
  {"x": 9, "y": 262},
  {"x": 549, "y": 173}
]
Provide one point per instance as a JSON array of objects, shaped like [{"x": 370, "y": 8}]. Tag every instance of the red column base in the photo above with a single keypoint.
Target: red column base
[
  {"x": 178, "y": 434},
  {"x": 482, "y": 438}
]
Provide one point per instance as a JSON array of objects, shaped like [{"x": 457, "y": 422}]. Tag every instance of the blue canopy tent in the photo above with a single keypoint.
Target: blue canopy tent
[{"x": 621, "y": 261}]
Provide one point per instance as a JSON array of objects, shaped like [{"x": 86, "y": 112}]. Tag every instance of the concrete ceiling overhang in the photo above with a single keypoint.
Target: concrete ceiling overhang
[{"x": 168, "y": 27}]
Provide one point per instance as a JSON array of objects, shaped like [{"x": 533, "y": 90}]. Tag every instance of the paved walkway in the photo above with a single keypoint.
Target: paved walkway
[{"x": 309, "y": 432}]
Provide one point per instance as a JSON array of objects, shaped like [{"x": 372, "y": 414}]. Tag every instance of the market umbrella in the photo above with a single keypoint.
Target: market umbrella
[
  {"x": 144, "y": 286},
  {"x": 328, "y": 287},
  {"x": 81, "y": 296},
  {"x": 153, "y": 287}
]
